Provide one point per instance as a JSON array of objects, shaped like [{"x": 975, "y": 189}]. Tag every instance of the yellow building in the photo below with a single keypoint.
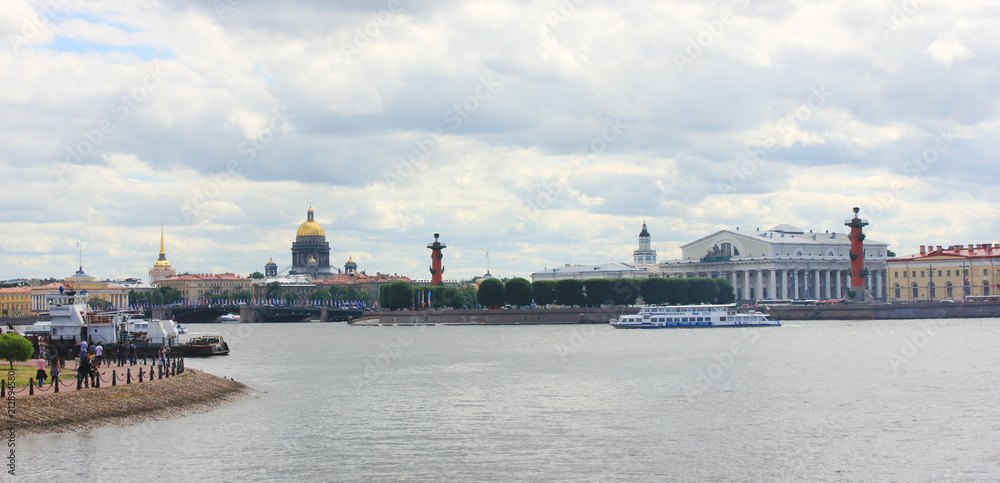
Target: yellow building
[
  {"x": 938, "y": 273},
  {"x": 200, "y": 288},
  {"x": 15, "y": 302}
]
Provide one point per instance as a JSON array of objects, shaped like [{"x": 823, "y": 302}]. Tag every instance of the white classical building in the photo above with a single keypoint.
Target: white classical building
[{"x": 784, "y": 262}]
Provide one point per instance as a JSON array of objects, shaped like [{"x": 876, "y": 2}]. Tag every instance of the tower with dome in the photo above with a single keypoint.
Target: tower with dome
[{"x": 310, "y": 251}]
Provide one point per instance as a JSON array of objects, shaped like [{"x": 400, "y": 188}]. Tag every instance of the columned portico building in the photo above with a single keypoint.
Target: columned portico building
[{"x": 784, "y": 262}]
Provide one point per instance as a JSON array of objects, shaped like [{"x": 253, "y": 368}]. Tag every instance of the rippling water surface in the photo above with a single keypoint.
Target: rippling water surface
[{"x": 851, "y": 401}]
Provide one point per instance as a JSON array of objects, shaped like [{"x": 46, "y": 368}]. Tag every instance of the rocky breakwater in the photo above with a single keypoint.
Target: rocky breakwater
[{"x": 123, "y": 405}]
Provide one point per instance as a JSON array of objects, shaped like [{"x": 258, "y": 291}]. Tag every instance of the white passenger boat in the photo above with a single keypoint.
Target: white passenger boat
[{"x": 692, "y": 316}]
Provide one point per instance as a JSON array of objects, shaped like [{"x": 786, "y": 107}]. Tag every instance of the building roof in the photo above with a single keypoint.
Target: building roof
[
  {"x": 604, "y": 267},
  {"x": 208, "y": 277},
  {"x": 788, "y": 234},
  {"x": 974, "y": 251},
  {"x": 360, "y": 278}
]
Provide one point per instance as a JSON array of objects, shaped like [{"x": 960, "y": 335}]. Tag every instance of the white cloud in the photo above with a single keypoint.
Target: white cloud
[{"x": 527, "y": 168}]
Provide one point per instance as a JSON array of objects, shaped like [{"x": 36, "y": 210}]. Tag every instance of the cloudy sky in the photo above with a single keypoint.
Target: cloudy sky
[{"x": 543, "y": 132}]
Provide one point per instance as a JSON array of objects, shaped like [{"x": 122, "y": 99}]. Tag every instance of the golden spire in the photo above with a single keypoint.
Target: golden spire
[{"x": 161, "y": 237}]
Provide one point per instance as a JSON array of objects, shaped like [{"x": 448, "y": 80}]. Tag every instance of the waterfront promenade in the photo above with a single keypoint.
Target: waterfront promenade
[{"x": 110, "y": 375}]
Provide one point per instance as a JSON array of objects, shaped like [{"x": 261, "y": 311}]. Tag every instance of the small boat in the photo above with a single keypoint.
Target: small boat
[
  {"x": 181, "y": 329},
  {"x": 692, "y": 316},
  {"x": 202, "y": 346},
  {"x": 229, "y": 318}
]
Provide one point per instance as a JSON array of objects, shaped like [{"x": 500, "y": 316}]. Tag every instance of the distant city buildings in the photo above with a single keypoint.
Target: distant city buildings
[
  {"x": 201, "y": 287},
  {"x": 937, "y": 273},
  {"x": 784, "y": 262},
  {"x": 113, "y": 294}
]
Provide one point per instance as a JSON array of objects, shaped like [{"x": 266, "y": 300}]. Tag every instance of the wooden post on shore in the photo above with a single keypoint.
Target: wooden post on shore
[
  {"x": 114, "y": 382},
  {"x": 140, "y": 374},
  {"x": 31, "y": 386},
  {"x": 55, "y": 382},
  {"x": 128, "y": 376}
]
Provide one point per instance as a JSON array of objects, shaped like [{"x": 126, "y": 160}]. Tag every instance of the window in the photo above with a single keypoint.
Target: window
[
  {"x": 986, "y": 288},
  {"x": 895, "y": 274},
  {"x": 896, "y": 289},
  {"x": 930, "y": 290},
  {"x": 950, "y": 289},
  {"x": 914, "y": 274},
  {"x": 949, "y": 273},
  {"x": 939, "y": 273},
  {"x": 921, "y": 274},
  {"x": 985, "y": 273},
  {"x": 916, "y": 291}
]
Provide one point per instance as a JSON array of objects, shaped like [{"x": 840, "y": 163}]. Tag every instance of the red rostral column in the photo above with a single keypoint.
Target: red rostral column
[
  {"x": 857, "y": 256},
  {"x": 436, "y": 269}
]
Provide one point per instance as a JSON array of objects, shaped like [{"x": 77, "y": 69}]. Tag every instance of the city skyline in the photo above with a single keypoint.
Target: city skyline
[{"x": 543, "y": 135}]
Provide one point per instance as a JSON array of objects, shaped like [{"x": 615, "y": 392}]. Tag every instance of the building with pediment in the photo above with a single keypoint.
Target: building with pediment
[{"x": 784, "y": 262}]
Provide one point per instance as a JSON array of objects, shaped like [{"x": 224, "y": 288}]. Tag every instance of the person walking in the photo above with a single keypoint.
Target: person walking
[
  {"x": 163, "y": 358},
  {"x": 98, "y": 355},
  {"x": 83, "y": 349},
  {"x": 131, "y": 353},
  {"x": 54, "y": 369},
  {"x": 83, "y": 371},
  {"x": 40, "y": 374}
]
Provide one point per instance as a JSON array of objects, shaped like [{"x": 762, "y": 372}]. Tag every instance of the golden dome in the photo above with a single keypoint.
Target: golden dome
[
  {"x": 161, "y": 264},
  {"x": 310, "y": 227}
]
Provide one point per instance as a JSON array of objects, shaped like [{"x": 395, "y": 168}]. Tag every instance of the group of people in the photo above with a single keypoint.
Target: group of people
[
  {"x": 50, "y": 359},
  {"x": 90, "y": 359}
]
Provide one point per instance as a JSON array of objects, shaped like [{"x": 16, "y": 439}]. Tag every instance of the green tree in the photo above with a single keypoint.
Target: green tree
[
  {"x": 320, "y": 294},
  {"x": 678, "y": 292},
  {"x": 490, "y": 293},
  {"x": 654, "y": 290},
  {"x": 543, "y": 292},
  {"x": 291, "y": 296},
  {"x": 702, "y": 290},
  {"x": 599, "y": 292},
  {"x": 727, "y": 294},
  {"x": 14, "y": 347},
  {"x": 243, "y": 295},
  {"x": 469, "y": 296},
  {"x": 398, "y": 295},
  {"x": 273, "y": 290},
  {"x": 570, "y": 293},
  {"x": 257, "y": 275},
  {"x": 517, "y": 291},
  {"x": 624, "y": 291}
]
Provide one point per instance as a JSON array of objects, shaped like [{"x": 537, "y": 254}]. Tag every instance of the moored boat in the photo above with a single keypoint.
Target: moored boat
[
  {"x": 202, "y": 346},
  {"x": 692, "y": 316}
]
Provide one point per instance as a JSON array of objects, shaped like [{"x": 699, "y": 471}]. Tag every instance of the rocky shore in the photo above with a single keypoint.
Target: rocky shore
[{"x": 124, "y": 405}]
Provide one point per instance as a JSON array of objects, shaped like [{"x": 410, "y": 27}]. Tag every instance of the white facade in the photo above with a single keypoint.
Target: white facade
[{"x": 784, "y": 262}]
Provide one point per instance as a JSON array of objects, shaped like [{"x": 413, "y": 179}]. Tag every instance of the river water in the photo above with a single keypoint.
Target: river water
[{"x": 809, "y": 401}]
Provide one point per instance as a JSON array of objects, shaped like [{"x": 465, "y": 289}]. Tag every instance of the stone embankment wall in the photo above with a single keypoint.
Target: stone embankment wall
[
  {"x": 926, "y": 310},
  {"x": 571, "y": 315},
  {"x": 193, "y": 391}
]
